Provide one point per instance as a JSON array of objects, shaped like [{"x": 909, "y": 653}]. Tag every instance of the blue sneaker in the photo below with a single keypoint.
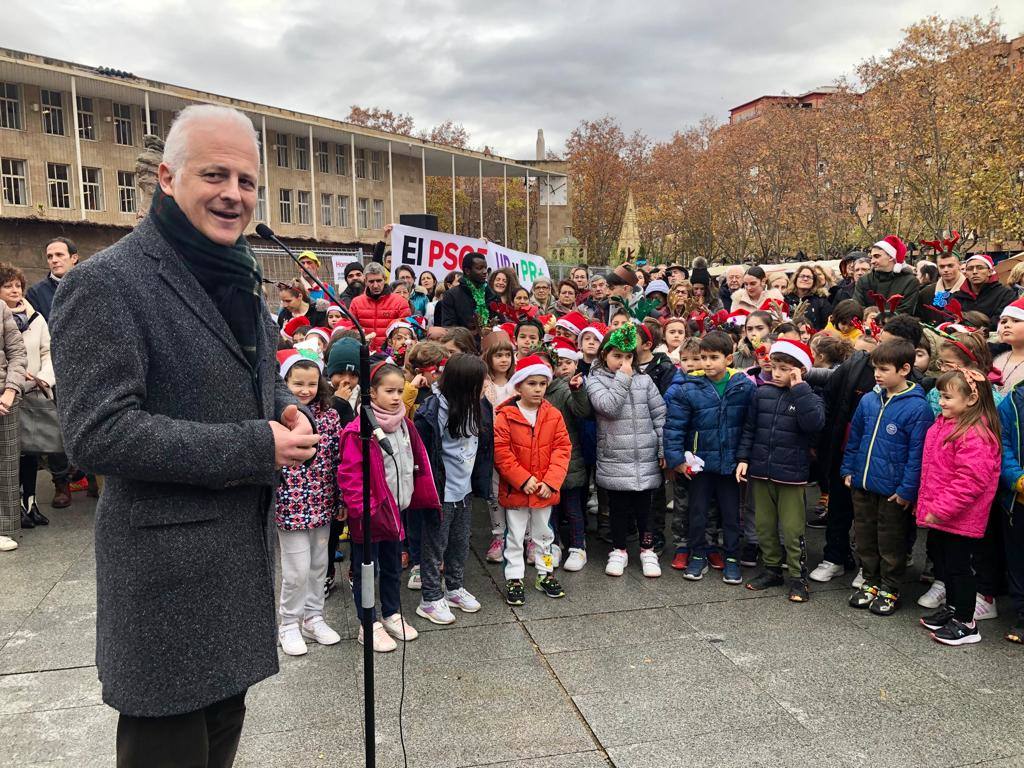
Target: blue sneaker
[
  {"x": 696, "y": 568},
  {"x": 732, "y": 574}
]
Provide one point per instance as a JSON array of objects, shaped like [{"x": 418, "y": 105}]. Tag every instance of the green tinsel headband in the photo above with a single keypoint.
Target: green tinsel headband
[{"x": 623, "y": 338}]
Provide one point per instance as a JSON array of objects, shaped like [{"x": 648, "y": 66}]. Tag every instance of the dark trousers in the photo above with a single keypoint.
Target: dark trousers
[
  {"x": 725, "y": 491},
  {"x": 952, "y": 555},
  {"x": 624, "y": 507},
  {"x": 206, "y": 738},
  {"x": 387, "y": 560},
  {"x": 337, "y": 526},
  {"x": 880, "y": 526},
  {"x": 28, "y": 471},
  {"x": 838, "y": 522},
  {"x": 659, "y": 511},
  {"x": 989, "y": 556},
  {"x": 1012, "y": 524},
  {"x": 569, "y": 511},
  {"x": 445, "y": 540},
  {"x": 412, "y": 520}
]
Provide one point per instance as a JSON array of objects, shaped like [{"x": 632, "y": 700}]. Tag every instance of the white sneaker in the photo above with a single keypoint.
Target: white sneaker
[
  {"x": 556, "y": 555},
  {"x": 291, "y": 641},
  {"x": 316, "y": 629},
  {"x": 858, "y": 580},
  {"x": 983, "y": 609},
  {"x": 934, "y": 597},
  {"x": 617, "y": 561},
  {"x": 462, "y": 599},
  {"x": 649, "y": 563},
  {"x": 576, "y": 560},
  {"x": 382, "y": 641},
  {"x": 7, "y": 544},
  {"x": 414, "y": 578},
  {"x": 399, "y": 629},
  {"x": 826, "y": 571},
  {"x": 435, "y": 611}
]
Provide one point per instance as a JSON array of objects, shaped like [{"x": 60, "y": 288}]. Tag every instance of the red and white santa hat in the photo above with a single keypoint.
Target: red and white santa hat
[
  {"x": 289, "y": 357},
  {"x": 1014, "y": 309},
  {"x": 400, "y": 323},
  {"x": 982, "y": 257},
  {"x": 565, "y": 348},
  {"x": 531, "y": 365},
  {"x": 334, "y": 308},
  {"x": 293, "y": 325},
  {"x": 598, "y": 329},
  {"x": 738, "y": 316},
  {"x": 795, "y": 349},
  {"x": 323, "y": 333},
  {"x": 574, "y": 322},
  {"x": 772, "y": 305},
  {"x": 896, "y": 248}
]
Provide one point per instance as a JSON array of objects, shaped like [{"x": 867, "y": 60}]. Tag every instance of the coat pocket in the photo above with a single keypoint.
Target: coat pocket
[{"x": 172, "y": 510}]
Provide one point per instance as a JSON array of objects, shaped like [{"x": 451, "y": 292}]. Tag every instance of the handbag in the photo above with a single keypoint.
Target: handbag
[{"x": 38, "y": 426}]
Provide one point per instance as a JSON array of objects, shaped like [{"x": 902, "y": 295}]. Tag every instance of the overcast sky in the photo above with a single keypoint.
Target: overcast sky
[{"x": 503, "y": 68}]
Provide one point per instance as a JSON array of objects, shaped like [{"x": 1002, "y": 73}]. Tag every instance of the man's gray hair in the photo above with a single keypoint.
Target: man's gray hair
[
  {"x": 373, "y": 268},
  {"x": 596, "y": 279},
  {"x": 176, "y": 149}
]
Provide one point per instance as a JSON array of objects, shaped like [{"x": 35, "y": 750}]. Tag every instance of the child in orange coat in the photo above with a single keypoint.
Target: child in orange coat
[{"x": 531, "y": 453}]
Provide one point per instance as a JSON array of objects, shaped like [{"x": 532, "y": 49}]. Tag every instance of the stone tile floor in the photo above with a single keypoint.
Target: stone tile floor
[{"x": 623, "y": 672}]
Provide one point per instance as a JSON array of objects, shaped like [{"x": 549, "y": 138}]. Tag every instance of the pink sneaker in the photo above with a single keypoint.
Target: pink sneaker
[{"x": 496, "y": 552}]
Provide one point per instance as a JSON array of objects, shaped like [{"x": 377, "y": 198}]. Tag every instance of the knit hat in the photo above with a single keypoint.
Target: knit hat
[
  {"x": 702, "y": 276},
  {"x": 293, "y": 325},
  {"x": 656, "y": 286},
  {"x": 311, "y": 256},
  {"x": 565, "y": 348},
  {"x": 350, "y": 267},
  {"x": 323, "y": 333},
  {"x": 795, "y": 349},
  {"x": 334, "y": 308},
  {"x": 343, "y": 357},
  {"x": 294, "y": 356},
  {"x": 895, "y": 247},
  {"x": 982, "y": 257},
  {"x": 531, "y": 365},
  {"x": 598, "y": 329},
  {"x": 574, "y": 322},
  {"x": 1014, "y": 309}
]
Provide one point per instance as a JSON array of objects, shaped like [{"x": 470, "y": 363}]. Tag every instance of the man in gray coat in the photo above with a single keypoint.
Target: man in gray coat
[{"x": 169, "y": 388}]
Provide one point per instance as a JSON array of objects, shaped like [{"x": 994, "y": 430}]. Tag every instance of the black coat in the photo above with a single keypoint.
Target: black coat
[
  {"x": 782, "y": 426},
  {"x": 888, "y": 284},
  {"x": 457, "y": 309},
  {"x": 991, "y": 300},
  {"x": 662, "y": 370},
  {"x": 818, "y": 308},
  {"x": 40, "y": 296}
]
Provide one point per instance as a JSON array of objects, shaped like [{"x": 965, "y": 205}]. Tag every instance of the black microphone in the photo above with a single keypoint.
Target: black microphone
[{"x": 379, "y": 433}]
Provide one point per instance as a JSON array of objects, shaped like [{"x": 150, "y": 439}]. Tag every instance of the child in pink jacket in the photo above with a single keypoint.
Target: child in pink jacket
[{"x": 959, "y": 477}]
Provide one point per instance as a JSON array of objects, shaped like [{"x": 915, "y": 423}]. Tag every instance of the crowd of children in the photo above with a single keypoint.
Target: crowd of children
[{"x": 711, "y": 426}]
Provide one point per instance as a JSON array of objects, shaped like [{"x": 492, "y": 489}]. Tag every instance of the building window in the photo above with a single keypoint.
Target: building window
[
  {"x": 302, "y": 201},
  {"x": 259, "y": 142},
  {"x": 92, "y": 189},
  {"x": 377, "y": 166},
  {"x": 53, "y": 112},
  {"x": 10, "y": 106},
  {"x": 341, "y": 159},
  {"x": 127, "y": 200},
  {"x": 14, "y": 181},
  {"x": 302, "y": 153},
  {"x": 343, "y": 220},
  {"x": 363, "y": 213},
  {"x": 153, "y": 126},
  {"x": 86, "y": 119},
  {"x": 323, "y": 157},
  {"x": 360, "y": 163},
  {"x": 286, "y": 206},
  {"x": 58, "y": 184},
  {"x": 123, "y": 125},
  {"x": 378, "y": 214},
  {"x": 326, "y": 209},
  {"x": 282, "y": 150},
  {"x": 261, "y": 204}
]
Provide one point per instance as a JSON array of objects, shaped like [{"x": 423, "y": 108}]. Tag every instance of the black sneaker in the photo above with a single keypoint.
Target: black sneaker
[
  {"x": 885, "y": 603},
  {"x": 863, "y": 597},
  {"x": 798, "y": 591},
  {"x": 549, "y": 585},
  {"x": 938, "y": 619},
  {"x": 36, "y": 516},
  {"x": 769, "y": 577},
  {"x": 957, "y": 633},
  {"x": 514, "y": 592},
  {"x": 1015, "y": 634},
  {"x": 748, "y": 555}
]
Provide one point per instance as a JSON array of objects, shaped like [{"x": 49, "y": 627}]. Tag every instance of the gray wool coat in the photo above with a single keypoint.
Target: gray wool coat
[
  {"x": 157, "y": 397},
  {"x": 630, "y": 416}
]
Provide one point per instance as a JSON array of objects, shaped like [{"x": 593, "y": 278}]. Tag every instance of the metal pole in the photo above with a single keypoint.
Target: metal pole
[
  {"x": 367, "y": 598},
  {"x": 149, "y": 120},
  {"x": 266, "y": 172},
  {"x": 547, "y": 237},
  {"x": 391, "y": 188},
  {"x": 78, "y": 145},
  {"x": 504, "y": 198},
  {"x": 355, "y": 200},
  {"x": 527, "y": 249},
  {"x": 314, "y": 203},
  {"x": 423, "y": 175},
  {"x": 455, "y": 229},
  {"x": 480, "y": 179}
]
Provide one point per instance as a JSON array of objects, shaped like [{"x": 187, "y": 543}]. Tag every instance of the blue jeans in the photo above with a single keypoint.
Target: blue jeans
[
  {"x": 387, "y": 560},
  {"x": 570, "y": 510}
]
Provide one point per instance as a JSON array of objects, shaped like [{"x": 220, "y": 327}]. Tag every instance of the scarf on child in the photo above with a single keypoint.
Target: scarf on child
[
  {"x": 230, "y": 275},
  {"x": 389, "y": 421}
]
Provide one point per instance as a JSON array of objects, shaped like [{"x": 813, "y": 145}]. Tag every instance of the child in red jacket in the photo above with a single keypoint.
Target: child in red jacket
[
  {"x": 531, "y": 453},
  {"x": 959, "y": 476}
]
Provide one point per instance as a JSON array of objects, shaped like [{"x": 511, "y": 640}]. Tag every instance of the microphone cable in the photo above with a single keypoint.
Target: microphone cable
[{"x": 401, "y": 616}]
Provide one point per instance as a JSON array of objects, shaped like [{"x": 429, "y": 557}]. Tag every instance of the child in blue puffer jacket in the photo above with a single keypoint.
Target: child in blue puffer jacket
[
  {"x": 705, "y": 417},
  {"x": 882, "y": 467}
]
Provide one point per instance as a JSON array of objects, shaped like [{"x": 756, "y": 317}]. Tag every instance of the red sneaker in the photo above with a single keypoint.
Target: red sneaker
[
  {"x": 716, "y": 561},
  {"x": 680, "y": 561}
]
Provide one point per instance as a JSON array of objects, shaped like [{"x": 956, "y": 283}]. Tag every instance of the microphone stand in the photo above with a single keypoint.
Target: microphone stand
[{"x": 366, "y": 598}]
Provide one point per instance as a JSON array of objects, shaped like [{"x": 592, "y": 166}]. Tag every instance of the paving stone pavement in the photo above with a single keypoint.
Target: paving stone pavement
[{"x": 627, "y": 672}]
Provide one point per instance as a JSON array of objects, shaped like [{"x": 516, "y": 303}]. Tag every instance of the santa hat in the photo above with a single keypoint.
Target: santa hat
[
  {"x": 795, "y": 349},
  {"x": 574, "y": 322},
  {"x": 293, "y": 325},
  {"x": 508, "y": 328},
  {"x": 294, "y": 356},
  {"x": 1014, "y": 309},
  {"x": 565, "y": 348},
  {"x": 323, "y": 333},
  {"x": 340, "y": 328},
  {"x": 334, "y": 308},
  {"x": 773, "y": 305},
  {"x": 598, "y": 329},
  {"x": 531, "y": 365},
  {"x": 982, "y": 257},
  {"x": 400, "y": 323},
  {"x": 738, "y": 316},
  {"x": 896, "y": 249}
]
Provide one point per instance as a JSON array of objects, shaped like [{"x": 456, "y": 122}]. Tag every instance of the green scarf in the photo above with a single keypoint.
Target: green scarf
[
  {"x": 229, "y": 274},
  {"x": 479, "y": 294}
]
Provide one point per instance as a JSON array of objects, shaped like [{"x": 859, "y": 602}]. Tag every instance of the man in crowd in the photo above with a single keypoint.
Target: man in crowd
[
  {"x": 733, "y": 282},
  {"x": 598, "y": 295},
  {"x": 61, "y": 257},
  {"x": 461, "y": 305},
  {"x": 982, "y": 291},
  {"x": 311, "y": 261},
  {"x": 378, "y": 307},
  {"x": 621, "y": 282},
  {"x": 191, "y": 425},
  {"x": 353, "y": 282},
  {"x": 890, "y": 276},
  {"x": 951, "y": 280}
]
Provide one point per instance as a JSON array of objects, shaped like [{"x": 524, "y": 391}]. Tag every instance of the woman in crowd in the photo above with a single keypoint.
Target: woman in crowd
[
  {"x": 754, "y": 291},
  {"x": 542, "y": 298},
  {"x": 13, "y": 359},
  {"x": 295, "y": 302},
  {"x": 428, "y": 283},
  {"x": 504, "y": 283},
  {"x": 566, "y": 298},
  {"x": 809, "y": 286}
]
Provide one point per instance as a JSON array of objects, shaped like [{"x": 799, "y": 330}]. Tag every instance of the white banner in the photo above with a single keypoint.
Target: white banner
[
  {"x": 440, "y": 253},
  {"x": 338, "y": 262}
]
